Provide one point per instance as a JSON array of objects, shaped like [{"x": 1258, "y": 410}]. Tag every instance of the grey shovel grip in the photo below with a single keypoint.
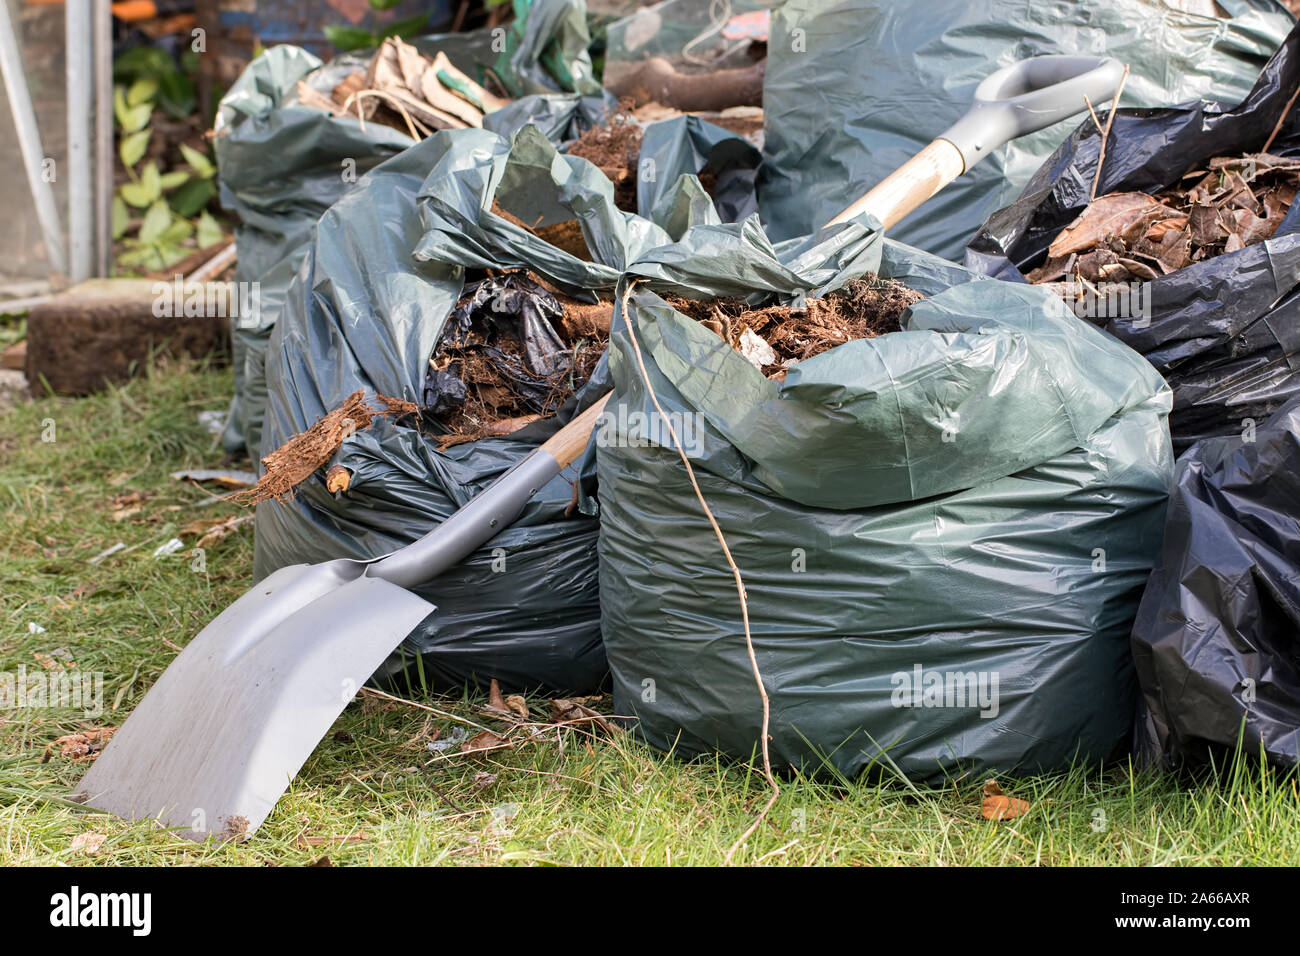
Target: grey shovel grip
[
  {"x": 482, "y": 519},
  {"x": 1031, "y": 95}
]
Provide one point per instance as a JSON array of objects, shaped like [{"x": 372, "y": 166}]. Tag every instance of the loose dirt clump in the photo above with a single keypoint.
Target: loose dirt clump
[
  {"x": 774, "y": 338},
  {"x": 616, "y": 148},
  {"x": 1236, "y": 201}
]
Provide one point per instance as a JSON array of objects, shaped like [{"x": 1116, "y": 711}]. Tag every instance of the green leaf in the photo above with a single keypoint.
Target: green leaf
[
  {"x": 190, "y": 199},
  {"x": 136, "y": 195},
  {"x": 151, "y": 180},
  {"x": 171, "y": 254},
  {"x": 120, "y": 108},
  {"x": 383, "y": 4},
  {"x": 142, "y": 90},
  {"x": 177, "y": 232},
  {"x": 177, "y": 95},
  {"x": 142, "y": 61},
  {"x": 133, "y": 147},
  {"x": 410, "y": 27},
  {"x": 198, "y": 161},
  {"x": 350, "y": 38},
  {"x": 121, "y": 217},
  {"x": 156, "y": 221},
  {"x": 136, "y": 118},
  {"x": 209, "y": 232},
  {"x": 173, "y": 179}
]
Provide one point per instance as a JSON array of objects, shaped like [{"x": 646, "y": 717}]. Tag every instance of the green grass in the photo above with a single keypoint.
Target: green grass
[{"x": 372, "y": 792}]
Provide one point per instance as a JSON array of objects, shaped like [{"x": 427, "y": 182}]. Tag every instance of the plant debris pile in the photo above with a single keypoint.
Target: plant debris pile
[
  {"x": 298, "y": 458},
  {"x": 1123, "y": 237},
  {"x": 566, "y": 236},
  {"x": 777, "y": 337},
  {"x": 408, "y": 91},
  {"x": 511, "y": 354},
  {"x": 616, "y": 148}
]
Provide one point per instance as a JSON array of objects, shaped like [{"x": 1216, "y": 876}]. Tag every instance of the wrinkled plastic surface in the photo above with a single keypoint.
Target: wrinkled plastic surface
[
  {"x": 283, "y": 164},
  {"x": 1217, "y": 639},
  {"x": 980, "y": 494},
  {"x": 1224, "y": 332},
  {"x": 856, "y": 87},
  {"x": 365, "y": 312}
]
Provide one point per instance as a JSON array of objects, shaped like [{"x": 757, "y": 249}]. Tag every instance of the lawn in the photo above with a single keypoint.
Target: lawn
[{"x": 373, "y": 793}]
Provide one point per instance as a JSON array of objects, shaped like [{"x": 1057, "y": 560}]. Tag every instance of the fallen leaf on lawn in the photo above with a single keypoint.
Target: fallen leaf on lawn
[
  {"x": 88, "y": 843},
  {"x": 518, "y": 705},
  {"x": 484, "y": 740},
  {"x": 1111, "y": 215},
  {"x": 998, "y": 806},
  {"x": 484, "y": 779},
  {"x": 564, "y": 710},
  {"x": 81, "y": 746},
  {"x": 495, "y": 699}
]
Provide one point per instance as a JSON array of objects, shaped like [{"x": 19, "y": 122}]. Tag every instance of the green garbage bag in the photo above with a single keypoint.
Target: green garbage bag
[{"x": 943, "y": 531}]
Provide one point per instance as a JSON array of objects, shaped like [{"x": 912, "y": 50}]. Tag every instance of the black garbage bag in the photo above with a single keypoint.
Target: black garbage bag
[
  {"x": 855, "y": 87},
  {"x": 1216, "y": 642},
  {"x": 366, "y": 313},
  {"x": 943, "y": 531},
  {"x": 1224, "y": 332}
]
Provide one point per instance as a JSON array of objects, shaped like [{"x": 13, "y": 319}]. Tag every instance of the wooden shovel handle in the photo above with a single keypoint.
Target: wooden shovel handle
[
  {"x": 910, "y": 185},
  {"x": 566, "y": 445}
]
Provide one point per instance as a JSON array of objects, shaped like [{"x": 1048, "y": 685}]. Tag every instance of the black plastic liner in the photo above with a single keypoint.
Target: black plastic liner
[{"x": 1217, "y": 637}]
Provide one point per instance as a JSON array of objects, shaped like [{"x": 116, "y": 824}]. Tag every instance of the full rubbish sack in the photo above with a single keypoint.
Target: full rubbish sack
[
  {"x": 943, "y": 531},
  {"x": 856, "y": 87},
  {"x": 1225, "y": 331},
  {"x": 365, "y": 313},
  {"x": 283, "y": 162},
  {"x": 1217, "y": 637}
]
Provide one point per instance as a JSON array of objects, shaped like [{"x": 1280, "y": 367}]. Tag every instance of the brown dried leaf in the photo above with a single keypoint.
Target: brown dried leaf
[
  {"x": 1110, "y": 215},
  {"x": 998, "y": 806},
  {"x": 484, "y": 740},
  {"x": 88, "y": 843}
]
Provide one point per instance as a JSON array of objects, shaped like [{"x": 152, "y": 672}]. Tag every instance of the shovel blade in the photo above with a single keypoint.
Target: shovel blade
[{"x": 215, "y": 742}]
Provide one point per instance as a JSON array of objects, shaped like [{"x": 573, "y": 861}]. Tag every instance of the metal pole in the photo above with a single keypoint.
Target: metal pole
[
  {"x": 81, "y": 135},
  {"x": 104, "y": 164},
  {"x": 29, "y": 141}
]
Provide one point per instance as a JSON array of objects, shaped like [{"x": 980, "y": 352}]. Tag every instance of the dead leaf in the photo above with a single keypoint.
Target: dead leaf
[
  {"x": 998, "y": 806},
  {"x": 88, "y": 843},
  {"x": 484, "y": 740},
  {"x": 1110, "y": 215},
  {"x": 517, "y": 705},
  {"x": 81, "y": 746}
]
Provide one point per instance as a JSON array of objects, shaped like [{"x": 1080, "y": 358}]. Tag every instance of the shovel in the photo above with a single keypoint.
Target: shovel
[{"x": 215, "y": 742}]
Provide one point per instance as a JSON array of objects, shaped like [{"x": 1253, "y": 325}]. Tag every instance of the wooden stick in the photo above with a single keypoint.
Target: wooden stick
[
  {"x": 1277, "y": 128},
  {"x": 1110, "y": 118}
]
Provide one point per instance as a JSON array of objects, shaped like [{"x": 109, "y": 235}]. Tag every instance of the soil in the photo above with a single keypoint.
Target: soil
[
  {"x": 616, "y": 148},
  {"x": 865, "y": 308},
  {"x": 566, "y": 236}
]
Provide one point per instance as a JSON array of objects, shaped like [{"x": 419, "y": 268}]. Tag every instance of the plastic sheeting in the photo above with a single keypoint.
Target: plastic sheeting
[
  {"x": 283, "y": 164},
  {"x": 1217, "y": 639},
  {"x": 976, "y": 500},
  {"x": 1224, "y": 332},
  {"x": 855, "y": 87},
  {"x": 365, "y": 312}
]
